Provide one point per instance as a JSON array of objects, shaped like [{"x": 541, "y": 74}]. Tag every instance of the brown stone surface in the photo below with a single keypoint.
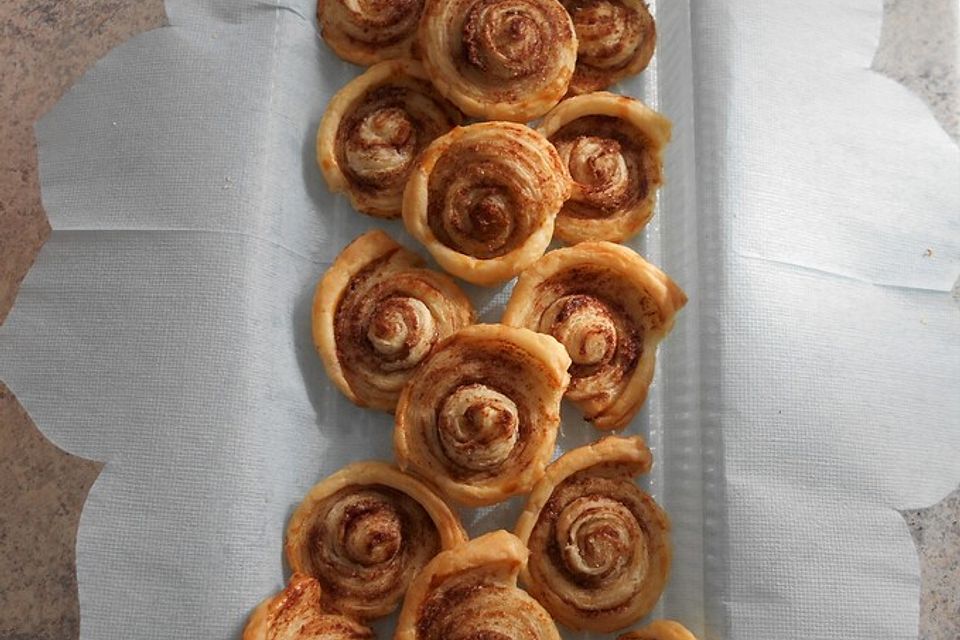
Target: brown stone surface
[{"x": 45, "y": 45}]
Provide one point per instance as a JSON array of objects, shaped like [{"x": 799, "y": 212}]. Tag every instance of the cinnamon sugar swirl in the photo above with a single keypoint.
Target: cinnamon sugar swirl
[
  {"x": 374, "y": 129},
  {"x": 610, "y": 308},
  {"x": 599, "y": 546},
  {"x": 364, "y": 533}
]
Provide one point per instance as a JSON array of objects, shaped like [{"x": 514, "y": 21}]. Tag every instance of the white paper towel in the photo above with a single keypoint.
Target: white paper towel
[{"x": 809, "y": 390}]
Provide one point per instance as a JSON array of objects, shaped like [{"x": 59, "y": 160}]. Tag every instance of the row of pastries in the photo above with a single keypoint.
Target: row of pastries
[{"x": 436, "y": 132}]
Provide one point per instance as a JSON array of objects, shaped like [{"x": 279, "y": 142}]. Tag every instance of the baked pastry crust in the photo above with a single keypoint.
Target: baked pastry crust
[
  {"x": 610, "y": 309},
  {"x": 616, "y": 39},
  {"x": 373, "y": 130},
  {"x": 367, "y": 32},
  {"x": 599, "y": 546},
  {"x": 296, "y": 613},
  {"x": 365, "y": 532},
  {"x": 613, "y": 147},
  {"x": 499, "y": 59},
  {"x": 471, "y": 592},
  {"x": 483, "y": 199},
  {"x": 660, "y": 630},
  {"x": 480, "y": 417},
  {"x": 377, "y": 314}
]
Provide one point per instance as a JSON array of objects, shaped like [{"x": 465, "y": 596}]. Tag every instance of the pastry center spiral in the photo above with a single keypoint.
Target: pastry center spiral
[
  {"x": 598, "y": 537},
  {"x": 402, "y": 330},
  {"x": 383, "y": 13},
  {"x": 383, "y": 143},
  {"x": 369, "y": 530},
  {"x": 606, "y": 32},
  {"x": 503, "y": 38},
  {"x": 597, "y": 165},
  {"x": 479, "y": 213},
  {"x": 478, "y": 427},
  {"x": 585, "y": 326}
]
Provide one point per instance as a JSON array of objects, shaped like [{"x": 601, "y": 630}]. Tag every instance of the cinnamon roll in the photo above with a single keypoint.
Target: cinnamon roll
[
  {"x": 364, "y": 533},
  {"x": 610, "y": 308},
  {"x": 613, "y": 148},
  {"x": 470, "y": 593},
  {"x": 616, "y": 40},
  {"x": 483, "y": 199},
  {"x": 296, "y": 613},
  {"x": 480, "y": 416},
  {"x": 377, "y": 313},
  {"x": 499, "y": 59},
  {"x": 367, "y": 31},
  {"x": 660, "y": 630},
  {"x": 599, "y": 546},
  {"x": 374, "y": 129}
]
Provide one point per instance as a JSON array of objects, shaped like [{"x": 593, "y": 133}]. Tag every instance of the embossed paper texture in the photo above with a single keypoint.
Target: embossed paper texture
[{"x": 812, "y": 212}]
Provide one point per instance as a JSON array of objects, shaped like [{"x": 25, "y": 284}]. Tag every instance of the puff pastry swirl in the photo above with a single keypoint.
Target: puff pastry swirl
[
  {"x": 499, "y": 59},
  {"x": 377, "y": 313},
  {"x": 374, "y": 129},
  {"x": 483, "y": 199},
  {"x": 364, "y": 533},
  {"x": 297, "y": 613},
  {"x": 470, "y": 593},
  {"x": 610, "y": 308},
  {"x": 599, "y": 546},
  {"x": 613, "y": 148},
  {"x": 660, "y": 630},
  {"x": 368, "y": 31},
  {"x": 480, "y": 417},
  {"x": 616, "y": 40}
]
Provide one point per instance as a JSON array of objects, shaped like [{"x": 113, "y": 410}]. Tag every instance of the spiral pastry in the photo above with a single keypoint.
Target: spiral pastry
[
  {"x": 374, "y": 129},
  {"x": 367, "y": 31},
  {"x": 377, "y": 313},
  {"x": 470, "y": 593},
  {"x": 499, "y": 59},
  {"x": 610, "y": 308},
  {"x": 480, "y": 417},
  {"x": 364, "y": 533},
  {"x": 616, "y": 40},
  {"x": 660, "y": 630},
  {"x": 613, "y": 148},
  {"x": 483, "y": 200},
  {"x": 296, "y": 613},
  {"x": 599, "y": 546}
]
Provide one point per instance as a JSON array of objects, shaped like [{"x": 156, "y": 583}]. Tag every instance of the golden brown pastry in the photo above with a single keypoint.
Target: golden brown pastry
[
  {"x": 470, "y": 593},
  {"x": 616, "y": 40},
  {"x": 480, "y": 417},
  {"x": 296, "y": 613},
  {"x": 499, "y": 59},
  {"x": 364, "y": 533},
  {"x": 660, "y": 630},
  {"x": 483, "y": 199},
  {"x": 610, "y": 308},
  {"x": 613, "y": 148},
  {"x": 368, "y": 31},
  {"x": 377, "y": 313},
  {"x": 374, "y": 129},
  {"x": 599, "y": 545}
]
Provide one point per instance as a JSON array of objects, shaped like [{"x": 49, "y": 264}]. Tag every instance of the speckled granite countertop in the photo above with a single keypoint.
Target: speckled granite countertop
[{"x": 44, "y": 47}]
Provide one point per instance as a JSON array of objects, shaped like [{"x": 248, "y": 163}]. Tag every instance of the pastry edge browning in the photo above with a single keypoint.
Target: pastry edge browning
[
  {"x": 556, "y": 360},
  {"x": 495, "y": 548},
  {"x": 633, "y": 453},
  {"x": 650, "y": 123},
  {"x": 659, "y": 630},
  {"x": 490, "y": 271},
  {"x": 669, "y": 297},
  {"x": 364, "y": 474}
]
